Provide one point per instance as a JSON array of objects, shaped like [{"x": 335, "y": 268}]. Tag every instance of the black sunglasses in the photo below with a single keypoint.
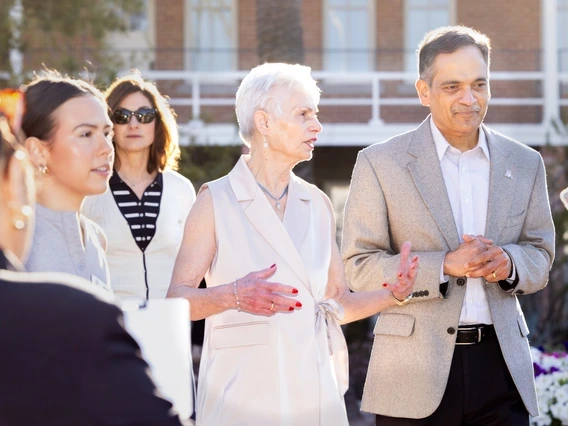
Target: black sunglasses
[{"x": 143, "y": 115}]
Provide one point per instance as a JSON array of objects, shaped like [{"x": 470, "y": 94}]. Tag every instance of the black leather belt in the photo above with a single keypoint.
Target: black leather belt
[{"x": 472, "y": 334}]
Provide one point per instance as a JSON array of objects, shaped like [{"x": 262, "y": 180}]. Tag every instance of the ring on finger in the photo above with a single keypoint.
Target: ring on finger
[
  {"x": 271, "y": 306},
  {"x": 494, "y": 276}
]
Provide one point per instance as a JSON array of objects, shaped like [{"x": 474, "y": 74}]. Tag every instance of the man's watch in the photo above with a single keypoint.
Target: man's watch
[{"x": 403, "y": 301}]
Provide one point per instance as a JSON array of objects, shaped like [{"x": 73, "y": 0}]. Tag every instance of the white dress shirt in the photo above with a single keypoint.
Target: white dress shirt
[{"x": 466, "y": 175}]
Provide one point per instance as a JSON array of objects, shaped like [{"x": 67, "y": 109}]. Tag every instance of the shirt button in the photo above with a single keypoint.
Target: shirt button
[
  {"x": 81, "y": 266},
  {"x": 139, "y": 204},
  {"x": 460, "y": 281},
  {"x": 143, "y": 226},
  {"x": 451, "y": 330},
  {"x": 466, "y": 200}
]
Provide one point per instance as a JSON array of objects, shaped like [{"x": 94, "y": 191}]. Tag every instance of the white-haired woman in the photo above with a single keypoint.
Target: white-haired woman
[{"x": 265, "y": 241}]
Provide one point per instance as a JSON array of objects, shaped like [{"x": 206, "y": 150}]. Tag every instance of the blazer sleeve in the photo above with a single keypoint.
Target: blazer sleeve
[
  {"x": 368, "y": 253},
  {"x": 533, "y": 253},
  {"x": 117, "y": 389}
]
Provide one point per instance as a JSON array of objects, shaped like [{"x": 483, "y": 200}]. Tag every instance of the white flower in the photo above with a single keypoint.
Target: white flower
[{"x": 551, "y": 387}]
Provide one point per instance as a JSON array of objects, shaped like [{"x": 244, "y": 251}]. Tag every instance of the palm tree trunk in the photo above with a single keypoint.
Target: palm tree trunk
[
  {"x": 279, "y": 31},
  {"x": 280, "y": 39}
]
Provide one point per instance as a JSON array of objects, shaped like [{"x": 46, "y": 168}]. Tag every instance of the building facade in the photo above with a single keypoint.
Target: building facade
[{"x": 363, "y": 54}]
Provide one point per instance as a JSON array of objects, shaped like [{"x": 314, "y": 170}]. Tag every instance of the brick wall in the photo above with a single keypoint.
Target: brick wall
[
  {"x": 389, "y": 35},
  {"x": 247, "y": 45},
  {"x": 312, "y": 23},
  {"x": 170, "y": 16},
  {"x": 515, "y": 38}
]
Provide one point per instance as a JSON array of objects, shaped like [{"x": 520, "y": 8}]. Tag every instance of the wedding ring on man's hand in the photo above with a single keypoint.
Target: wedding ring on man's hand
[
  {"x": 494, "y": 276},
  {"x": 272, "y": 306}
]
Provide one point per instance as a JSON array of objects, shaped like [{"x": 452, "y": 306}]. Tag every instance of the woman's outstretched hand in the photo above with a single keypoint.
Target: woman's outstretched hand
[
  {"x": 406, "y": 275},
  {"x": 258, "y": 296}
]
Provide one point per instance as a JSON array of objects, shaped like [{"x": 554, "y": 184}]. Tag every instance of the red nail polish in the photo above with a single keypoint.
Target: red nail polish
[
  {"x": 290, "y": 308},
  {"x": 273, "y": 266},
  {"x": 295, "y": 291},
  {"x": 384, "y": 284},
  {"x": 298, "y": 304}
]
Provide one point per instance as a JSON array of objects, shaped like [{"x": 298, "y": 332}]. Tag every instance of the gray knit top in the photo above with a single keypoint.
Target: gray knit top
[{"x": 68, "y": 242}]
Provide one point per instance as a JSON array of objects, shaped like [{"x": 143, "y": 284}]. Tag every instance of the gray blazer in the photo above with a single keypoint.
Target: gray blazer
[{"x": 397, "y": 194}]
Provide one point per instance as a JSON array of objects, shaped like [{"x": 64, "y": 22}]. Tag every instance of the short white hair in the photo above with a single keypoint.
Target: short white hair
[{"x": 258, "y": 91}]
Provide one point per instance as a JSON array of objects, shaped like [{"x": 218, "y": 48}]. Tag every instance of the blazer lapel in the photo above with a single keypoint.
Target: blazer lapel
[
  {"x": 502, "y": 180},
  {"x": 297, "y": 216},
  {"x": 262, "y": 216},
  {"x": 429, "y": 181}
]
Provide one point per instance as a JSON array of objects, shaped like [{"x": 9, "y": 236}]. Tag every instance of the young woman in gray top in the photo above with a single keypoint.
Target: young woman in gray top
[{"x": 69, "y": 142}]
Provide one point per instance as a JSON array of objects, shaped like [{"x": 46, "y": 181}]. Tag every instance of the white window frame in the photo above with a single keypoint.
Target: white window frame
[
  {"x": 372, "y": 23},
  {"x": 562, "y": 35},
  {"x": 188, "y": 42},
  {"x": 411, "y": 45}
]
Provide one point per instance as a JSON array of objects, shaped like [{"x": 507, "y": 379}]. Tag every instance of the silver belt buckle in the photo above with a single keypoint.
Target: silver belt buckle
[{"x": 470, "y": 329}]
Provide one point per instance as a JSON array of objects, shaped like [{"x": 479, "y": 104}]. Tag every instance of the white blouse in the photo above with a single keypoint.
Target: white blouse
[{"x": 127, "y": 263}]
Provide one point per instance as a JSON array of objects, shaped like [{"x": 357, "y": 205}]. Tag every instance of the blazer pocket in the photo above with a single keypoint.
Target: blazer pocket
[
  {"x": 244, "y": 334},
  {"x": 523, "y": 327},
  {"x": 394, "y": 325},
  {"x": 515, "y": 220}
]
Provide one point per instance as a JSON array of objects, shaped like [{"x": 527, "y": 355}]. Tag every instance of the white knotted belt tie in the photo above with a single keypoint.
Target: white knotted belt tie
[{"x": 327, "y": 321}]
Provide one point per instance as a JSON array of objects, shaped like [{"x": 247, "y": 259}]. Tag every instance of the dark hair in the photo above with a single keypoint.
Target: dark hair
[
  {"x": 43, "y": 95},
  {"x": 164, "y": 151},
  {"x": 448, "y": 40}
]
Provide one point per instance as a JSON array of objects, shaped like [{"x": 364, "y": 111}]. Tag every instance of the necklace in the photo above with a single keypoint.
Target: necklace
[
  {"x": 145, "y": 179},
  {"x": 277, "y": 199}
]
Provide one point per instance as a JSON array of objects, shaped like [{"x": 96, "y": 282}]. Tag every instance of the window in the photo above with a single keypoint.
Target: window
[
  {"x": 562, "y": 29},
  {"x": 422, "y": 16},
  {"x": 139, "y": 21},
  {"x": 349, "y": 39},
  {"x": 210, "y": 36}
]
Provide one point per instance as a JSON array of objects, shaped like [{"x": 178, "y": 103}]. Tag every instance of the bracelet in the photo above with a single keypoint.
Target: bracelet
[{"x": 236, "y": 296}]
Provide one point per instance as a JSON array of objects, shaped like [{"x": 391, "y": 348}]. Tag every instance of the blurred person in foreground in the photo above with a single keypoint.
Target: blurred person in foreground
[
  {"x": 274, "y": 353},
  {"x": 143, "y": 212},
  {"x": 474, "y": 203},
  {"x": 68, "y": 136},
  {"x": 66, "y": 359}
]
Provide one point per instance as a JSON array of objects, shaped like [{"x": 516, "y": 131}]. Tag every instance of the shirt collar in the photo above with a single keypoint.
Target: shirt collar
[{"x": 442, "y": 144}]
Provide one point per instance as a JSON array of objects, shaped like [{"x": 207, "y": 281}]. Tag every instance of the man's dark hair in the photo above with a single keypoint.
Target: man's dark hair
[{"x": 448, "y": 40}]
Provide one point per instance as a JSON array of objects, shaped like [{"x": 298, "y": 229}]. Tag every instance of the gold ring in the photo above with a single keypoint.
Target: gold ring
[
  {"x": 272, "y": 306},
  {"x": 494, "y": 276}
]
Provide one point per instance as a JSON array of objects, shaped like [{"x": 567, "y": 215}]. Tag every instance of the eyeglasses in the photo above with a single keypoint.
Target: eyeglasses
[
  {"x": 12, "y": 107},
  {"x": 143, "y": 115}
]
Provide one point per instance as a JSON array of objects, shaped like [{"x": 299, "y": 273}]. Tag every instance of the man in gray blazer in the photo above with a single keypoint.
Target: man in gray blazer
[{"x": 474, "y": 204}]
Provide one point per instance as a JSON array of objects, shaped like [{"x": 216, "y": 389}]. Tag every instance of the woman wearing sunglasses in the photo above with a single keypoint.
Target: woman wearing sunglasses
[
  {"x": 144, "y": 211},
  {"x": 67, "y": 129}
]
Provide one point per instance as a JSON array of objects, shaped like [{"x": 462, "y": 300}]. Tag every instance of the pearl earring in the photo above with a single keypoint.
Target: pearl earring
[{"x": 43, "y": 169}]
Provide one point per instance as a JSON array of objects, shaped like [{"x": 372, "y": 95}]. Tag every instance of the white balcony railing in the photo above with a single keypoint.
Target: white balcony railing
[{"x": 365, "y": 90}]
